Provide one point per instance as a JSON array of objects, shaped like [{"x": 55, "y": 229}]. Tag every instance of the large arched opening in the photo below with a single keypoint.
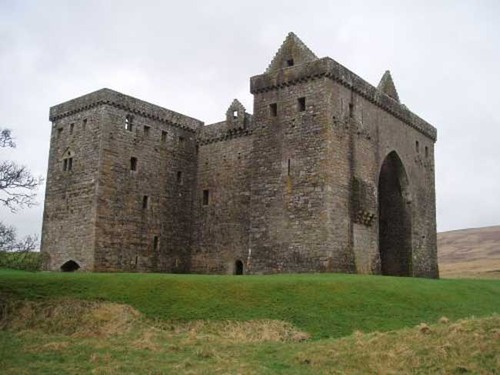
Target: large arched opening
[
  {"x": 394, "y": 214},
  {"x": 70, "y": 266}
]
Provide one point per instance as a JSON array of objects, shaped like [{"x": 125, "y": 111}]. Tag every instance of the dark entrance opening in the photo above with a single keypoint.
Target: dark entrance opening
[
  {"x": 238, "y": 267},
  {"x": 394, "y": 218},
  {"x": 70, "y": 266}
]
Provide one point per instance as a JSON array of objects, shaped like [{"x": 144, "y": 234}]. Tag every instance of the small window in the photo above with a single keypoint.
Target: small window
[
  {"x": 145, "y": 202},
  {"x": 59, "y": 132},
  {"x": 84, "y": 124},
  {"x": 156, "y": 242},
  {"x": 146, "y": 130},
  {"x": 426, "y": 151},
  {"x": 351, "y": 110},
  {"x": 289, "y": 62},
  {"x": 235, "y": 115},
  {"x": 181, "y": 139},
  {"x": 179, "y": 177},
  {"x": 206, "y": 196},
  {"x": 67, "y": 164},
  {"x": 163, "y": 136},
  {"x": 289, "y": 166},
  {"x": 133, "y": 164},
  {"x": 273, "y": 109},
  {"x": 417, "y": 147},
  {"x": 129, "y": 125},
  {"x": 301, "y": 104},
  {"x": 197, "y": 149},
  {"x": 71, "y": 128}
]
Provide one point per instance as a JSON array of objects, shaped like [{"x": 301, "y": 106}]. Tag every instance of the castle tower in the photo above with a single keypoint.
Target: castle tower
[{"x": 119, "y": 186}]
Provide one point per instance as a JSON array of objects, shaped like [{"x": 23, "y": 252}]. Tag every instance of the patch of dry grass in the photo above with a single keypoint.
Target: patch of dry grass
[{"x": 116, "y": 339}]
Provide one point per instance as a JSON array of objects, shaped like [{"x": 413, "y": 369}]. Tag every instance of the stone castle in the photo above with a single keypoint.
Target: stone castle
[{"x": 329, "y": 174}]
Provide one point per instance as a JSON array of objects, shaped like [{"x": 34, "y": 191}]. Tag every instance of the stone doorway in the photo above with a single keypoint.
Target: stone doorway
[
  {"x": 394, "y": 212},
  {"x": 238, "y": 267},
  {"x": 70, "y": 266}
]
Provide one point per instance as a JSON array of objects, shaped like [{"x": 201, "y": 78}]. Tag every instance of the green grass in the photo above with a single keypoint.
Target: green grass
[{"x": 324, "y": 305}]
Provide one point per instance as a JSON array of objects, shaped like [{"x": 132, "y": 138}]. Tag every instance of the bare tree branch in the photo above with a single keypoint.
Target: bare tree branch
[
  {"x": 17, "y": 184},
  {"x": 6, "y": 139}
]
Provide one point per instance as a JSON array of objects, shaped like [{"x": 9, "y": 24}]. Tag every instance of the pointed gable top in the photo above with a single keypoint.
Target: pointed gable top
[
  {"x": 292, "y": 52},
  {"x": 387, "y": 86}
]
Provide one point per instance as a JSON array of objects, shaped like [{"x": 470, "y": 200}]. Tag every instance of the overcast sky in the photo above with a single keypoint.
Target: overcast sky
[{"x": 194, "y": 57}]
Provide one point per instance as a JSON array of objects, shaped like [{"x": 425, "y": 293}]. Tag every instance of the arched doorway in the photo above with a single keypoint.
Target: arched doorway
[
  {"x": 394, "y": 218},
  {"x": 238, "y": 267},
  {"x": 70, "y": 266}
]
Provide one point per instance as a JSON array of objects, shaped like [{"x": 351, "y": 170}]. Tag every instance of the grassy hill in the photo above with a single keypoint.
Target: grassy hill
[
  {"x": 470, "y": 253},
  {"x": 290, "y": 324}
]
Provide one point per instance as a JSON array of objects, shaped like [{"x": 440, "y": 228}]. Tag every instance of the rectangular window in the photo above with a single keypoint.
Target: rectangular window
[
  {"x": 351, "y": 110},
  {"x": 67, "y": 164},
  {"x": 273, "y": 109},
  {"x": 179, "y": 177},
  {"x": 145, "y": 202},
  {"x": 59, "y": 132},
  {"x": 426, "y": 151},
  {"x": 301, "y": 104},
  {"x": 156, "y": 242},
  {"x": 146, "y": 131},
  {"x": 129, "y": 123},
  {"x": 181, "y": 139},
  {"x": 289, "y": 62},
  {"x": 133, "y": 164},
  {"x": 289, "y": 166},
  {"x": 417, "y": 147},
  {"x": 84, "y": 124},
  {"x": 71, "y": 127},
  {"x": 163, "y": 136},
  {"x": 206, "y": 196}
]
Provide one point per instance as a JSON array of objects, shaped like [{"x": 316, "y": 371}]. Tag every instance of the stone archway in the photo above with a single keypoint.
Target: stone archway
[
  {"x": 70, "y": 266},
  {"x": 394, "y": 218},
  {"x": 238, "y": 267}
]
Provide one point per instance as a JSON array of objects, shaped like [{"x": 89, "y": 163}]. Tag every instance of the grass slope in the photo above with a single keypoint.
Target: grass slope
[{"x": 324, "y": 305}]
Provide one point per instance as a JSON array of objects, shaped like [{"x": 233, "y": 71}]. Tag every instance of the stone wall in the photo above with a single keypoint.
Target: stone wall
[{"x": 330, "y": 174}]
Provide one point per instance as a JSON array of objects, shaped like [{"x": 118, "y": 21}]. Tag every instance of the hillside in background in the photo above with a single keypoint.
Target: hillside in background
[{"x": 470, "y": 253}]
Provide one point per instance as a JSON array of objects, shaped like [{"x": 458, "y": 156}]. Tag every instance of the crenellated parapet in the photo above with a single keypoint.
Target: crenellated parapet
[
  {"x": 328, "y": 68},
  {"x": 127, "y": 103}
]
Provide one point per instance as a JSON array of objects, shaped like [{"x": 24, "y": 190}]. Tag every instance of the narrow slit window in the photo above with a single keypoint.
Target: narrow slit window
[
  {"x": 351, "y": 110},
  {"x": 156, "y": 242},
  {"x": 289, "y": 166},
  {"x": 417, "y": 147},
  {"x": 273, "y": 109},
  {"x": 133, "y": 164},
  {"x": 163, "y": 136},
  {"x": 179, "y": 177},
  {"x": 67, "y": 164},
  {"x": 206, "y": 197},
  {"x": 84, "y": 124},
  {"x": 146, "y": 130},
  {"x": 71, "y": 127},
  {"x": 129, "y": 123},
  {"x": 426, "y": 151},
  {"x": 301, "y": 104},
  {"x": 145, "y": 202}
]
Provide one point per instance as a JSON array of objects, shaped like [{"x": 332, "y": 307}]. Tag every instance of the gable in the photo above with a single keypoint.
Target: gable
[{"x": 292, "y": 52}]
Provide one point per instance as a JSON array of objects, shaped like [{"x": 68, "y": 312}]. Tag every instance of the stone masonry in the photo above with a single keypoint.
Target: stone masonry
[{"x": 329, "y": 174}]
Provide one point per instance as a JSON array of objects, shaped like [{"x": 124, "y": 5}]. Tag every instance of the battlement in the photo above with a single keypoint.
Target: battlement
[
  {"x": 128, "y": 103},
  {"x": 328, "y": 68}
]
